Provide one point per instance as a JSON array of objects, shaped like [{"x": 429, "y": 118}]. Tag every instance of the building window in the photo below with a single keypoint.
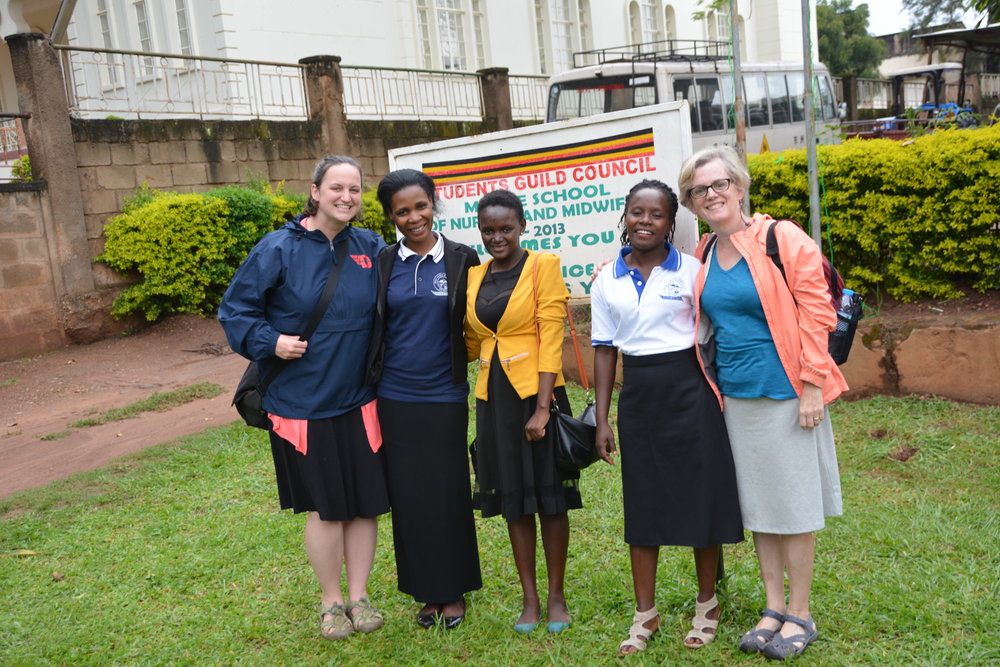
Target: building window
[
  {"x": 442, "y": 26},
  {"x": 558, "y": 26},
  {"x": 586, "y": 36},
  {"x": 145, "y": 41},
  {"x": 644, "y": 21},
  {"x": 109, "y": 74},
  {"x": 183, "y": 26},
  {"x": 669, "y": 23}
]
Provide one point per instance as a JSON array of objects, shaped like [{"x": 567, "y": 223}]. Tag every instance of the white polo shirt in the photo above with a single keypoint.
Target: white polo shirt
[{"x": 642, "y": 318}]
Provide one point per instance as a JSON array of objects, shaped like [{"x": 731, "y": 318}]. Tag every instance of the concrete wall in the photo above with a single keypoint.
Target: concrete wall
[{"x": 29, "y": 320}]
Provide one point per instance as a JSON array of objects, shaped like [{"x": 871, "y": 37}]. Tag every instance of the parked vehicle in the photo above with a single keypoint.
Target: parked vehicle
[
  {"x": 699, "y": 71},
  {"x": 931, "y": 113}
]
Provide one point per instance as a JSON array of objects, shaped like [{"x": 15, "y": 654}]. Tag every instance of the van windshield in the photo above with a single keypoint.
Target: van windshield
[{"x": 586, "y": 97}]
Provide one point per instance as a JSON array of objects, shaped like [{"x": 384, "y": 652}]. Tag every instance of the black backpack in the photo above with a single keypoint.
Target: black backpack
[{"x": 848, "y": 315}]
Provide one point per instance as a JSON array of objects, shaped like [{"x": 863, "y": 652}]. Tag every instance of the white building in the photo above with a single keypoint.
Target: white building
[{"x": 528, "y": 37}]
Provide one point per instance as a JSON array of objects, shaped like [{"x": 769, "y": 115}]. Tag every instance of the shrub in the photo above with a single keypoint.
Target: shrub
[
  {"x": 187, "y": 247},
  {"x": 373, "y": 218},
  {"x": 180, "y": 246},
  {"x": 20, "y": 171},
  {"x": 914, "y": 219}
]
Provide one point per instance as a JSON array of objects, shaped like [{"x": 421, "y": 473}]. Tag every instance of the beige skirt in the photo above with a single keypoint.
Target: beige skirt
[{"x": 786, "y": 476}]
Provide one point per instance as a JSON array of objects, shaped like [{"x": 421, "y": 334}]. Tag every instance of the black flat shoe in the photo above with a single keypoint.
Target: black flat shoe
[
  {"x": 428, "y": 619},
  {"x": 452, "y": 622}
]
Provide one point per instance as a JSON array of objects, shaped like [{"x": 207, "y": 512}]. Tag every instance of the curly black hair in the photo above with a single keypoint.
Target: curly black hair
[{"x": 651, "y": 184}]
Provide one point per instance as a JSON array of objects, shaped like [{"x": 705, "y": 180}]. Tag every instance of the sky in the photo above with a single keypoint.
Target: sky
[{"x": 888, "y": 16}]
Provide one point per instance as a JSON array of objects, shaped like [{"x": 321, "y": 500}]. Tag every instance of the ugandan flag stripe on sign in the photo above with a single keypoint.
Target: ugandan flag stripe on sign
[{"x": 634, "y": 144}]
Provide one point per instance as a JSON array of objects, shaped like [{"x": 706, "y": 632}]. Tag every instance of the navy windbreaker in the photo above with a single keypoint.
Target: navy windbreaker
[{"x": 275, "y": 291}]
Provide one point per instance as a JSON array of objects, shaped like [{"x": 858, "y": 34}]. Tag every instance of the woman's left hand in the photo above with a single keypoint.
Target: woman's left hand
[
  {"x": 535, "y": 428},
  {"x": 811, "y": 410}
]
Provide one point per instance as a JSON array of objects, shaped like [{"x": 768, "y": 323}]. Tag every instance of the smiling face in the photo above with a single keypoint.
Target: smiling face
[
  {"x": 718, "y": 209},
  {"x": 338, "y": 196},
  {"x": 648, "y": 219},
  {"x": 413, "y": 214},
  {"x": 501, "y": 231}
]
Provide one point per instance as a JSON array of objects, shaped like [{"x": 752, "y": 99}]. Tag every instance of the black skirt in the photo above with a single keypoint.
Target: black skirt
[
  {"x": 340, "y": 477},
  {"x": 433, "y": 528},
  {"x": 678, "y": 480},
  {"x": 516, "y": 477}
]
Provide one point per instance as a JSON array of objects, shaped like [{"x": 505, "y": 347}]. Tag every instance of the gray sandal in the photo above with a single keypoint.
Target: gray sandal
[
  {"x": 754, "y": 641},
  {"x": 781, "y": 647}
]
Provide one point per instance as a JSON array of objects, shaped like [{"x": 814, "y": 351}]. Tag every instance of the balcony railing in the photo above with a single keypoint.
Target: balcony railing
[
  {"x": 136, "y": 84},
  {"x": 380, "y": 93},
  {"x": 529, "y": 96},
  {"x": 101, "y": 82}
]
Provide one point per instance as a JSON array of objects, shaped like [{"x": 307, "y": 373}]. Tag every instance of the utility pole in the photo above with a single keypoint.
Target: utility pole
[
  {"x": 741, "y": 124},
  {"x": 807, "y": 102}
]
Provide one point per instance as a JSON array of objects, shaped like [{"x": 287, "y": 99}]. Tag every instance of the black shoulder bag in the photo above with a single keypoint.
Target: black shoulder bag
[{"x": 249, "y": 397}]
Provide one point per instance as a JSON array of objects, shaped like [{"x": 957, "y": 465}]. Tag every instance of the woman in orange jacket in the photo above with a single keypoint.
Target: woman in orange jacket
[
  {"x": 514, "y": 328},
  {"x": 763, "y": 343}
]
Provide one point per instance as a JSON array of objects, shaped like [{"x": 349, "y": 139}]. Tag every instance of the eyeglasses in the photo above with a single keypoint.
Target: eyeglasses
[{"x": 720, "y": 185}]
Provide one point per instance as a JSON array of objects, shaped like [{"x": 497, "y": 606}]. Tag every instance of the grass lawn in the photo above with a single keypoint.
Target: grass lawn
[{"x": 180, "y": 555}]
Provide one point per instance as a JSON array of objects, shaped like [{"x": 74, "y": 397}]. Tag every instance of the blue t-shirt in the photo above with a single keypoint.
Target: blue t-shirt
[
  {"x": 746, "y": 359},
  {"x": 417, "y": 338}
]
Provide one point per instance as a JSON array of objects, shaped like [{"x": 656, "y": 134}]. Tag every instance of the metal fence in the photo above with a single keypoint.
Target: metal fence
[
  {"x": 380, "y": 93},
  {"x": 136, "y": 84},
  {"x": 528, "y": 97},
  {"x": 102, "y": 82}
]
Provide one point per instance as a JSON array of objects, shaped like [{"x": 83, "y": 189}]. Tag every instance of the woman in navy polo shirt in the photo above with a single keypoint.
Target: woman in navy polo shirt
[
  {"x": 418, "y": 360},
  {"x": 678, "y": 483},
  {"x": 324, "y": 429}
]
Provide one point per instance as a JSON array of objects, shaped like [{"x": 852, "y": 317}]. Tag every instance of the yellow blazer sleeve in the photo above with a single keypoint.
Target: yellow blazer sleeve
[
  {"x": 550, "y": 313},
  {"x": 473, "y": 338}
]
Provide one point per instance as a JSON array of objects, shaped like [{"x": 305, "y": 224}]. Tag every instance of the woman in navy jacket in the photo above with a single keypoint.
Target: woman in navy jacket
[
  {"x": 419, "y": 362},
  {"x": 324, "y": 431}
]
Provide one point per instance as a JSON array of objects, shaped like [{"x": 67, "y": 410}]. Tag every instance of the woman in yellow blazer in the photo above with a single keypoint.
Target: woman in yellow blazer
[{"x": 514, "y": 329}]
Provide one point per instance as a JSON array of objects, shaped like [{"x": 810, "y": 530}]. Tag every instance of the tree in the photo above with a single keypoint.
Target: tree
[
  {"x": 844, "y": 43},
  {"x": 933, "y": 12}
]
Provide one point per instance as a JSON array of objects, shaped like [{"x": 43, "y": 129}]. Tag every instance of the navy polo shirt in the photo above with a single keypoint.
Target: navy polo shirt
[{"x": 417, "y": 338}]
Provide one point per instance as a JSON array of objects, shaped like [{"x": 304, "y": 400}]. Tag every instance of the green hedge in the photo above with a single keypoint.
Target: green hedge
[
  {"x": 910, "y": 219},
  {"x": 186, "y": 248}
]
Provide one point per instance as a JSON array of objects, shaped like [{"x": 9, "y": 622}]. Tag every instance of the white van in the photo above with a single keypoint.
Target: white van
[{"x": 627, "y": 77}]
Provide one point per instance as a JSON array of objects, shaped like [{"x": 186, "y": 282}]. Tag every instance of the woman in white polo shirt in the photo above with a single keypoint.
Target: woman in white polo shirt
[{"x": 678, "y": 483}]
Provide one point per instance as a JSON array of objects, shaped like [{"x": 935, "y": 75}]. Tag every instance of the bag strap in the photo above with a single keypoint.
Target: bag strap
[
  {"x": 317, "y": 314},
  {"x": 576, "y": 351},
  {"x": 771, "y": 248},
  {"x": 572, "y": 330}
]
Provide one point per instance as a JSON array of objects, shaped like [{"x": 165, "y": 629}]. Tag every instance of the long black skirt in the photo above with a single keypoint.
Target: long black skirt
[
  {"x": 433, "y": 528},
  {"x": 339, "y": 477},
  {"x": 678, "y": 480},
  {"x": 516, "y": 477}
]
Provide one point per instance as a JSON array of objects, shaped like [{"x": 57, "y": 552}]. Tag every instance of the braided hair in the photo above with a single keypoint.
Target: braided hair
[{"x": 664, "y": 189}]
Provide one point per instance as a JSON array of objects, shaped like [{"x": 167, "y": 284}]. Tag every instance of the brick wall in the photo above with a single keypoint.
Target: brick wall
[{"x": 29, "y": 320}]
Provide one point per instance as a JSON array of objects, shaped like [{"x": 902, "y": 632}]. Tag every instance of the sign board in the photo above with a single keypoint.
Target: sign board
[{"x": 572, "y": 177}]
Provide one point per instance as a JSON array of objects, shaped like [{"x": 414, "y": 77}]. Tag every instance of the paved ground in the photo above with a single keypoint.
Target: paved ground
[{"x": 41, "y": 395}]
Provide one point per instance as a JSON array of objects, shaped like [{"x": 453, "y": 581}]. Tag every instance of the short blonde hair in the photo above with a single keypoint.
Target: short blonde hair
[{"x": 730, "y": 160}]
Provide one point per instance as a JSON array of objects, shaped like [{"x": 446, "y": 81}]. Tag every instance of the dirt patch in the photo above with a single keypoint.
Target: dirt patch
[{"x": 41, "y": 395}]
